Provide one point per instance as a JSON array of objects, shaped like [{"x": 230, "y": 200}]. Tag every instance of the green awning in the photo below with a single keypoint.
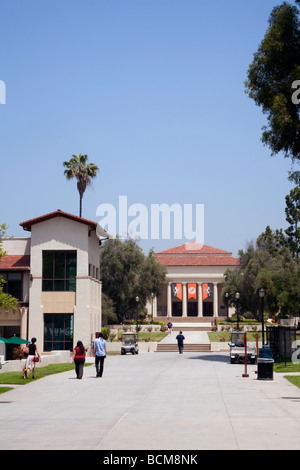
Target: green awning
[
  {"x": 4, "y": 340},
  {"x": 16, "y": 340}
]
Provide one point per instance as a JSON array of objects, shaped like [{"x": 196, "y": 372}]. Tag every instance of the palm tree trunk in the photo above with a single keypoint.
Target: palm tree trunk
[{"x": 80, "y": 204}]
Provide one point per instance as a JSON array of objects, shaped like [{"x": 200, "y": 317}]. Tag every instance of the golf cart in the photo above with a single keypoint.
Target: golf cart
[
  {"x": 129, "y": 343},
  {"x": 237, "y": 349}
]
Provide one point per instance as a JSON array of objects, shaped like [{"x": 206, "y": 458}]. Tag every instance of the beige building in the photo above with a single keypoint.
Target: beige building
[
  {"x": 194, "y": 282},
  {"x": 55, "y": 274}
]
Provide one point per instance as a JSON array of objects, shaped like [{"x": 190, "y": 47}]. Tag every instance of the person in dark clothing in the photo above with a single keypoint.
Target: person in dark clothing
[
  {"x": 180, "y": 339},
  {"x": 170, "y": 326},
  {"x": 79, "y": 359},
  {"x": 32, "y": 354}
]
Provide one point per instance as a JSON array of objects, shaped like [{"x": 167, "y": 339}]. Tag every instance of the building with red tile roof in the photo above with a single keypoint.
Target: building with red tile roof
[
  {"x": 195, "y": 277},
  {"x": 55, "y": 274}
]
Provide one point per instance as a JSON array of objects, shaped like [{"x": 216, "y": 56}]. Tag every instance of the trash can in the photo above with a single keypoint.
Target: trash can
[{"x": 265, "y": 368}]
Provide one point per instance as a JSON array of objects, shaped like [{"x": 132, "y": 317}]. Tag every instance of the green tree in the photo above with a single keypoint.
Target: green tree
[
  {"x": 7, "y": 302},
  {"x": 292, "y": 211},
  {"x": 108, "y": 310},
  {"x": 77, "y": 167},
  {"x": 267, "y": 263},
  {"x": 275, "y": 67},
  {"x": 126, "y": 273}
]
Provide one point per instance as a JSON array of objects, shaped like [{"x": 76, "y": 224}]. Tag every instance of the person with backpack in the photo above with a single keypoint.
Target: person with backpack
[{"x": 180, "y": 339}]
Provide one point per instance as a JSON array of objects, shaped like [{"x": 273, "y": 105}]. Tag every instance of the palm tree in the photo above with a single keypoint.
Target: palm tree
[{"x": 84, "y": 172}]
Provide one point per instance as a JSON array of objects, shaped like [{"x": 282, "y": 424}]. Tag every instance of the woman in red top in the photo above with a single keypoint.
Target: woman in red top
[{"x": 79, "y": 359}]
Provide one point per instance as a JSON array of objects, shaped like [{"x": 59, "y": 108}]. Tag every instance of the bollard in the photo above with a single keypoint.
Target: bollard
[
  {"x": 257, "y": 352},
  {"x": 246, "y": 357}
]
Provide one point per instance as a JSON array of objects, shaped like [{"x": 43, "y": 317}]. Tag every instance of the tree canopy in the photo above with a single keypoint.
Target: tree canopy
[
  {"x": 126, "y": 273},
  {"x": 275, "y": 67},
  {"x": 77, "y": 167},
  {"x": 7, "y": 302}
]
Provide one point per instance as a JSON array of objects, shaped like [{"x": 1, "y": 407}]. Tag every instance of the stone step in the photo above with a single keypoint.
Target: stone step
[
  {"x": 196, "y": 320},
  {"x": 187, "y": 347},
  {"x": 192, "y": 328}
]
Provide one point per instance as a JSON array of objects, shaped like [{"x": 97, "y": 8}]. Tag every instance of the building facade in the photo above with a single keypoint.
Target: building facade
[
  {"x": 194, "y": 282},
  {"x": 55, "y": 274}
]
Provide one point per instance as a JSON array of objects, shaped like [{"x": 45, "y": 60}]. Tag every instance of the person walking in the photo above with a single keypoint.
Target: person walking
[
  {"x": 170, "y": 326},
  {"x": 32, "y": 358},
  {"x": 100, "y": 354},
  {"x": 79, "y": 359},
  {"x": 180, "y": 338}
]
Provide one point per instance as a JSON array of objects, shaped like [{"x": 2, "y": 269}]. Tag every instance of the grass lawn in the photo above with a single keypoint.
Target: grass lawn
[
  {"x": 5, "y": 389},
  {"x": 152, "y": 336},
  {"x": 216, "y": 336},
  {"x": 155, "y": 336},
  {"x": 294, "y": 379},
  {"x": 290, "y": 366},
  {"x": 16, "y": 377}
]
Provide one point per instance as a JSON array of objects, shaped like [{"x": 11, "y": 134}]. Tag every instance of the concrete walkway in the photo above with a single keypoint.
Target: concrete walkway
[
  {"x": 191, "y": 337},
  {"x": 154, "y": 401}
]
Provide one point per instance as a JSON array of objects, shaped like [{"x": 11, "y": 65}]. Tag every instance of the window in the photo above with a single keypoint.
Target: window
[
  {"x": 58, "y": 331},
  {"x": 59, "y": 271},
  {"x": 12, "y": 284}
]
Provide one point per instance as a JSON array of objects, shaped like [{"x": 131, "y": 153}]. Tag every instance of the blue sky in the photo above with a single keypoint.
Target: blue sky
[{"x": 153, "y": 92}]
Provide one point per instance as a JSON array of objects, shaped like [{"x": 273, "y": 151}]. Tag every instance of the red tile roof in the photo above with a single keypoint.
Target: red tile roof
[
  {"x": 193, "y": 248},
  {"x": 15, "y": 263},
  {"x": 197, "y": 260},
  {"x": 195, "y": 254},
  {"x": 59, "y": 213}
]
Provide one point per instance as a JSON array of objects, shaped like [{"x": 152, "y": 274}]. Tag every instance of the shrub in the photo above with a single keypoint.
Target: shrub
[{"x": 106, "y": 332}]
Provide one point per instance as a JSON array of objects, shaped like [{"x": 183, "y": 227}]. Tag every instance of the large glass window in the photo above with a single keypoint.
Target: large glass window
[
  {"x": 58, "y": 331},
  {"x": 12, "y": 284},
  {"x": 59, "y": 271}
]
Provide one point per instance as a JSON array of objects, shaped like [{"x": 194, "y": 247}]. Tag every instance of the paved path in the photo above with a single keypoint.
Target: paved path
[
  {"x": 191, "y": 337},
  {"x": 154, "y": 401}
]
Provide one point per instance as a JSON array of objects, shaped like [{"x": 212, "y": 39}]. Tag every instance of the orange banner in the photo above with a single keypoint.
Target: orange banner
[
  {"x": 177, "y": 291},
  {"x": 192, "y": 291},
  {"x": 207, "y": 291}
]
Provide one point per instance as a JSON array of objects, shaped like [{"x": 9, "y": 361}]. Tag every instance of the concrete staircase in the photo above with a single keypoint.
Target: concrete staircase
[{"x": 196, "y": 339}]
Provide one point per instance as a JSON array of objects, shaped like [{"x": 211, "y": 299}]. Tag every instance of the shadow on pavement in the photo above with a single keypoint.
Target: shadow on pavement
[{"x": 212, "y": 357}]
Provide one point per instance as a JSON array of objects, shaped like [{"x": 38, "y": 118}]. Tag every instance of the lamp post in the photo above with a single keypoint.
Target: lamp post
[
  {"x": 227, "y": 295},
  {"x": 237, "y": 296},
  {"x": 261, "y": 293},
  {"x": 137, "y": 313},
  {"x": 152, "y": 297}
]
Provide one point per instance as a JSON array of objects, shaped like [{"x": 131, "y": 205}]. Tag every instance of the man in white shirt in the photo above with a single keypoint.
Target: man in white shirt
[{"x": 100, "y": 354}]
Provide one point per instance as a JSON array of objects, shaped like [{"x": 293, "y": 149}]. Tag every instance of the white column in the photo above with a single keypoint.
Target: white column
[
  {"x": 169, "y": 301},
  {"x": 216, "y": 300},
  {"x": 200, "y": 301},
  {"x": 184, "y": 300}
]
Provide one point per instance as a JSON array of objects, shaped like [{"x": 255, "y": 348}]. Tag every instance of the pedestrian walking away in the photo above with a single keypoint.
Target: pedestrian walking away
[
  {"x": 100, "y": 354},
  {"x": 180, "y": 339},
  {"x": 32, "y": 358},
  {"x": 79, "y": 359}
]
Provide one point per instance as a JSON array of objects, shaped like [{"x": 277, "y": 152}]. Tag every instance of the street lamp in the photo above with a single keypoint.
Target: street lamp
[
  {"x": 227, "y": 300},
  {"x": 152, "y": 297},
  {"x": 237, "y": 296},
  {"x": 137, "y": 313},
  {"x": 261, "y": 293}
]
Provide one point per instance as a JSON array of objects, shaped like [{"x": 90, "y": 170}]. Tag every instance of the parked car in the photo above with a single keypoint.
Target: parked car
[{"x": 237, "y": 349}]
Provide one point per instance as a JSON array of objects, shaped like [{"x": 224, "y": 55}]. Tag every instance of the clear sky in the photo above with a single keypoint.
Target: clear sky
[{"x": 153, "y": 92}]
